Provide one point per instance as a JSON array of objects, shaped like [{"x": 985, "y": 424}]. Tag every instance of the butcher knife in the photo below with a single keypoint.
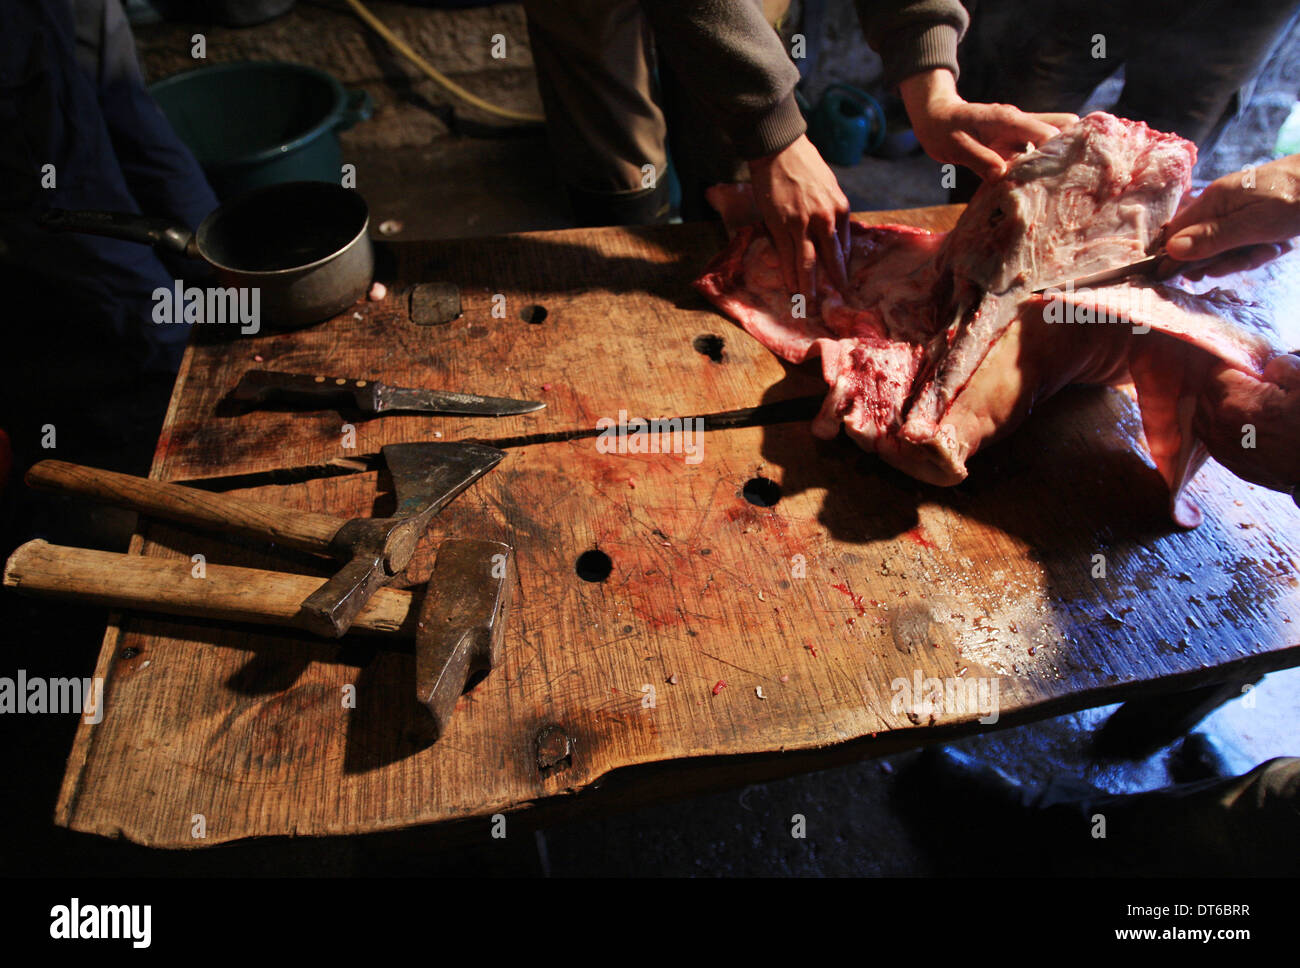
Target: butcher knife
[
  {"x": 1108, "y": 276},
  {"x": 258, "y": 388},
  {"x": 793, "y": 409},
  {"x": 1148, "y": 267}
]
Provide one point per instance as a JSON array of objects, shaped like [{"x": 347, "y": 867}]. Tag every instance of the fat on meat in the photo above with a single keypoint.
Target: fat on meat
[{"x": 938, "y": 344}]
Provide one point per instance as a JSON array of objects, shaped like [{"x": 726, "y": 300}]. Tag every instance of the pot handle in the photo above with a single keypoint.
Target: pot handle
[
  {"x": 163, "y": 233},
  {"x": 360, "y": 106}
]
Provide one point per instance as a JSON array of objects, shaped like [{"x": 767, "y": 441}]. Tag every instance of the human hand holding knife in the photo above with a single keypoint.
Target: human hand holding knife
[
  {"x": 1162, "y": 266},
  {"x": 1238, "y": 223}
]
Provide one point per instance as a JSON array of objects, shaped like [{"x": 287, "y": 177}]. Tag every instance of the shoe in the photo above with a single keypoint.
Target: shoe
[
  {"x": 1202, "y": 756},
  {"x": 649, "y": 206},
  {"x": 963, "y": 778}
]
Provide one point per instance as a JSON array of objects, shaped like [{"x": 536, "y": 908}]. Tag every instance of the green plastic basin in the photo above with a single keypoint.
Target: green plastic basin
[{"x": 257, "y": 123}]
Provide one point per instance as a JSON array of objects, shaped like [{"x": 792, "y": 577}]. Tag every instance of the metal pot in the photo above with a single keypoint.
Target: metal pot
[{"x": 304, "y": 245}]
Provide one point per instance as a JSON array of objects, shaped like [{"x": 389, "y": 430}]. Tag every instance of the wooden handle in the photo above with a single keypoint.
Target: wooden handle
[
  {"x": 257, "y": 387},
  {"x": 170, "y": 586},
  {"x": 304, "y": 530}
]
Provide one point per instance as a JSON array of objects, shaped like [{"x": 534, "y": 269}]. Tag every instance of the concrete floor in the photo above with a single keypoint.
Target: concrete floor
[{"x": 863, "y": 819}]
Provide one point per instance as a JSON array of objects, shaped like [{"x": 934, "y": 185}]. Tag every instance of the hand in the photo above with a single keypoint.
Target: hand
[
  {"x": 1232, "y": 400},
  {"x": 1247, "y": 217},
  {"x": 806, "y": 212},
  {"x": 979, "y": 136}
]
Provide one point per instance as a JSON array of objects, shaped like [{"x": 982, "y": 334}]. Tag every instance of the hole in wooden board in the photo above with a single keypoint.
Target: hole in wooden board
[
  {"x": 761, "y": 492},
  {"x": 534, "y": 314},
  {"x": 594, "y": 566},
  {"x": 711, "y": 345},
  {"x": 554, "y": 750}
]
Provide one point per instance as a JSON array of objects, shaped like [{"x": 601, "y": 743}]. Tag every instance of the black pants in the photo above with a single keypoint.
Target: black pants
[{"x": 1241, "y": 825}]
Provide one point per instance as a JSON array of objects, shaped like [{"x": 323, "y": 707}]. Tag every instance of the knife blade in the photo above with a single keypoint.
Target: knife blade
[
  {"x": 258, "y": 388},
  {"x": 1149, "y": 266},
  {"x": 791, "y": 410},
  {"x": 1106, "y": 277}
]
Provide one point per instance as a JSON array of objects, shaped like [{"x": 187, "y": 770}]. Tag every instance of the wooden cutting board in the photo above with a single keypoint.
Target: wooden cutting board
[{"x": 730, "y": 642}]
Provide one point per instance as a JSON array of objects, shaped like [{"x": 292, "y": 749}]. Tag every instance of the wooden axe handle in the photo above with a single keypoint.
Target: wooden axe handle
[
  {"x": 304, "y": 530},
  {"x": 170, "y": 586}
]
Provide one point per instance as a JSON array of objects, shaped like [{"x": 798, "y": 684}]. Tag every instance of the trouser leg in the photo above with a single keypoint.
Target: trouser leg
[
  {"x": 1184, "y": 63},
  {"x": 1186, "y": 76},
  {"x": 607, "y": 121},
  {"x": 1054, "y": 67},
  {"x": 1141, "y": 726},
  {"x": 702, "y": 154},
  {"x": 606, "y": 130},
  {"x": 1240, "y": 825},
  {"x": 1071, "y": 49}
]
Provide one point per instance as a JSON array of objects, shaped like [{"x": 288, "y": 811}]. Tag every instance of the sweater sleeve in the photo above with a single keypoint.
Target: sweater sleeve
[
  {"x": 912, "y": 36},
  {"x": 735, "y": 65}
]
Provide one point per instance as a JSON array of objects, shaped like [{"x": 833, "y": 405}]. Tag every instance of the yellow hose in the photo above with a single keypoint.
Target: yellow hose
[{"x": 402, "y": 48}]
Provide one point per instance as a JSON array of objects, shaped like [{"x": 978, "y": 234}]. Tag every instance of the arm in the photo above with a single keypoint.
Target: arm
[
  {"x": 917, "y": 40},
  {"x": 735, "y": 66},
  {"x": 979, "y": 136},
  {"x": 913, "y": 36},
  {"x": 739, "y": 71},
  {"x": 1246, "y": 216},
  {"x": 1252, "y": 213},
  {"x": 1231, "y": 402}
]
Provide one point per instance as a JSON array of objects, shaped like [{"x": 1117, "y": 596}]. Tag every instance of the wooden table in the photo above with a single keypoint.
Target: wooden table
[{"x": 731, "y": 642}]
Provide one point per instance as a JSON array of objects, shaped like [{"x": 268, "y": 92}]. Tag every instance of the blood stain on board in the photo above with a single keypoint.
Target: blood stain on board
[
  {"x": 917, "y": 536},
  {"x": 853, "y": 597}
]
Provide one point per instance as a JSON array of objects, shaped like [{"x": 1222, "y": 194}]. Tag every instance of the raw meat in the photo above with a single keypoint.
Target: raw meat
[{"x": 939, "y": 345}]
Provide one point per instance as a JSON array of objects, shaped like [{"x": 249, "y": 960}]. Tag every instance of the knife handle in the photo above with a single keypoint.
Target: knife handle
[
  {"x": 304, "y": 530},
  {"x": 259, "y": 387}
]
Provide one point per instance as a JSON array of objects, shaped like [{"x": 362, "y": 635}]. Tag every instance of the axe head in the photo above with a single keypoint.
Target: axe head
[
  {"x": 426, "y": 478},
  {"x": 461, "y": 625}
]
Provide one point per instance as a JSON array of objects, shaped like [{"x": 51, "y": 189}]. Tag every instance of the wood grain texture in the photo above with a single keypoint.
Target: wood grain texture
[
  {"x": 304, "y": 530},
  {"x": 837, "y": 602},
  {"x": 619, "y": 333}
]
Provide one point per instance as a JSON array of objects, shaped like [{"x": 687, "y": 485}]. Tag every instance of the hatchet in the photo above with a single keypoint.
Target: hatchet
[
  {"x": 457, "y": 623},
  {"x": 426, "y": 477}
]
